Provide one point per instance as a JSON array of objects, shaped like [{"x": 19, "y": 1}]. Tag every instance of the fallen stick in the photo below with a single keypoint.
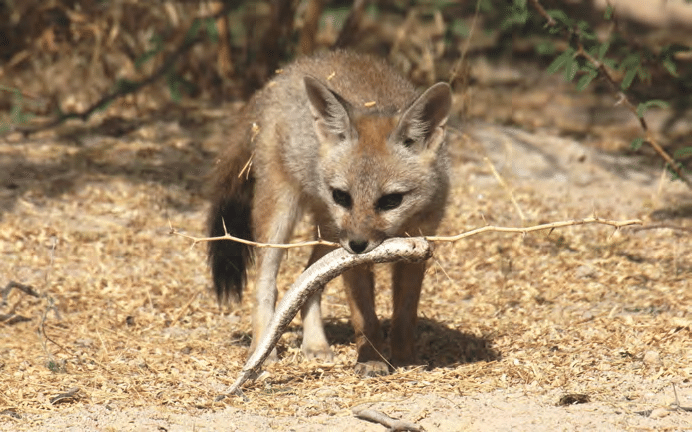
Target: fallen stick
[
  {"x": 391, "y": 424},
  {"x": 315, "y": 277}
]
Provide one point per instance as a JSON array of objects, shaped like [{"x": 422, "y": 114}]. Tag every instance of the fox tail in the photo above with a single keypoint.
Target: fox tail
[{"x": 231, "y": 212}]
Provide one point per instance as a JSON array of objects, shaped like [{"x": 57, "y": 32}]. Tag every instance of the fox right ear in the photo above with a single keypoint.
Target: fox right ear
[
  {"x": 329, "y": 110},
  {"x": 422, "y": 126}
]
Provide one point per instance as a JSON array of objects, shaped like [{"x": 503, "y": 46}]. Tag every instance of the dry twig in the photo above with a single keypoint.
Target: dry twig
[
  {"x": 548, "y": 226},
  {"x": 227, "y": 236},
  {"x": 390, "y": 423},
  {"x": 506, "y": 187},
  {"x": 488, "y": 228},
  {"x": 68, "y": 396},
  {"x": 26, "y": 289}
]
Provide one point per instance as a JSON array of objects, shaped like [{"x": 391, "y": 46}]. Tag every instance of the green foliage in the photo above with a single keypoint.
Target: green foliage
[
  {"x": 211, "y": 30},
  {"x": 623, "y": 63},
  {"x": 642, "y": 107},
  {"x": 517, "y": 14},
  {"x": 17, "y": 113},
  {"x": 683, "y": 153},
  {"x": 156, "y": 41},
  {"x": 561, "y": 61},
  {"x": 56, "y": 367},
  {"x": 637, "y": 143},
  {"x": 459, "y": 28}
]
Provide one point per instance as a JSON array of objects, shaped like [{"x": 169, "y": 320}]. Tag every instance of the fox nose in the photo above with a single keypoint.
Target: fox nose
[{"x": 358, "y": 246}]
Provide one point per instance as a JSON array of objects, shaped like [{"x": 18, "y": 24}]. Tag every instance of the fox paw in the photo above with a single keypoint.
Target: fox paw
[
  {"x": 323, "y": 353},
  {"x": 372, "y": 368}
]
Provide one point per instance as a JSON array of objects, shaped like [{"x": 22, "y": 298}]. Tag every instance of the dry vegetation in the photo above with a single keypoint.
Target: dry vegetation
[{"x": 123, "y": 313}]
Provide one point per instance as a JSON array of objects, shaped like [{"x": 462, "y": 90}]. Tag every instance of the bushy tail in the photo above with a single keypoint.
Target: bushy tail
[{"x": 232, "y": 207}]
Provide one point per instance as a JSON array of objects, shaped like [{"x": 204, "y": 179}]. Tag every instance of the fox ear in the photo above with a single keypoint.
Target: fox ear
[
  {"x": 422, "y": 124},
  {"x": 329, "y": 110}
]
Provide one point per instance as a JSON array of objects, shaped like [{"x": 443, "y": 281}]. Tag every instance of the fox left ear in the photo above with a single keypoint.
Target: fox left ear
[
  {"x": 422, "y": 124},
  {"x": 330, "y": 111}
]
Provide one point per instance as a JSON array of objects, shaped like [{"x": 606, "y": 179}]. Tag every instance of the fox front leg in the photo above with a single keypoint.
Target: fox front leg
[
  {"x": 360, "y": 287},
  {"x": 315, "y": 344},
  {"x": 407, "y": 279},
  {"x": 272, "y": 224}
]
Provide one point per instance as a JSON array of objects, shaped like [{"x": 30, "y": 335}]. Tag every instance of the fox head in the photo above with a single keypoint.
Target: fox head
[{"x": 380, "y": 172}]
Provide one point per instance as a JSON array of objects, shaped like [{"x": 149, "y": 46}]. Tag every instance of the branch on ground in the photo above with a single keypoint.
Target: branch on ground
[{"x": 391, "y": 424}]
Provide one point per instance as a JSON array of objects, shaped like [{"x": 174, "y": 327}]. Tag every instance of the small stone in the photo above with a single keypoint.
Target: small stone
[
  {"x": 658, "y": 413},
  {"x": 652, "y": 358},
  {"x": 586, "y": 272}
]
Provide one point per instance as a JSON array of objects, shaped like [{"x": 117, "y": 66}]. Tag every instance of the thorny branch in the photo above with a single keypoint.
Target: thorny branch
[
  {"x": 622, "y": 97},
  {"x": 227, "y": 236},
  {"x": 548, "y": 226},
  {"x": 488, "y": 228}
]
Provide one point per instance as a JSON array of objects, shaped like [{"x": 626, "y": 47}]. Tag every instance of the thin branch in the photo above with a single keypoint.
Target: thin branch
[
  {"x": 68, "y": 396},
  {"x": 26, "y": 289},
  {"x": 460, "y": 64},
  {"x": 351, "y": 26},
  {"x": 488, "y": 228},
  {"x": 308, "y": 35},
  {"x": 548, "y": 226},
  {"x": 542, "y": 12},
  {"x": 506, "y": 187},
  {"x": 227, "y": 236},
  {"x": 663, "y": 226}
]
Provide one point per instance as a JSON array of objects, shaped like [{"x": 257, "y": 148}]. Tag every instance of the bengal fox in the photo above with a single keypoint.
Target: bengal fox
[{"x": 344, "y": 137}]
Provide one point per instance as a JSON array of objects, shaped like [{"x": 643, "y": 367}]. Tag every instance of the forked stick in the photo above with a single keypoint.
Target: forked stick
[{"x": 315, "y": 277}]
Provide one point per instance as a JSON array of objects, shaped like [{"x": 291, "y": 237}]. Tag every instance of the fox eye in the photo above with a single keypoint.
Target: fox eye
[
  {"x": 408, "y": 142},
  {"x": 342, "y": 198},
  {"x": 389, "y": 202}
]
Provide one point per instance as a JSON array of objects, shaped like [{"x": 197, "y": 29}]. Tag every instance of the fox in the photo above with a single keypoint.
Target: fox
[{"x": 347, "y": 139}]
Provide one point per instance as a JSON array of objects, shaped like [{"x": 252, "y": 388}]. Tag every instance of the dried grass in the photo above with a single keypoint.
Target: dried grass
[{"x": 133, "y": 323}]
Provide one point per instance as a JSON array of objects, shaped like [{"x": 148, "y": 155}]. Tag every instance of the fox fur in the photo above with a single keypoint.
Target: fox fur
[{"x": 347, "y": 139}]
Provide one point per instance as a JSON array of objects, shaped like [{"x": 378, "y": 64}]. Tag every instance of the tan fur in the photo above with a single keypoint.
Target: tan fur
[{"x": 345, "y": 138}]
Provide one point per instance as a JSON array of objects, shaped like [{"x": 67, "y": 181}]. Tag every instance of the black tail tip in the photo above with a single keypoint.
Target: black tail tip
[{"x": 228, "y": 261}]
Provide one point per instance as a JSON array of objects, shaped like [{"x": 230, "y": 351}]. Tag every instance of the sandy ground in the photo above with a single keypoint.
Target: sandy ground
[
  {"x": 120, "y": 333},
  {"x": 631, "y": 376}
]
